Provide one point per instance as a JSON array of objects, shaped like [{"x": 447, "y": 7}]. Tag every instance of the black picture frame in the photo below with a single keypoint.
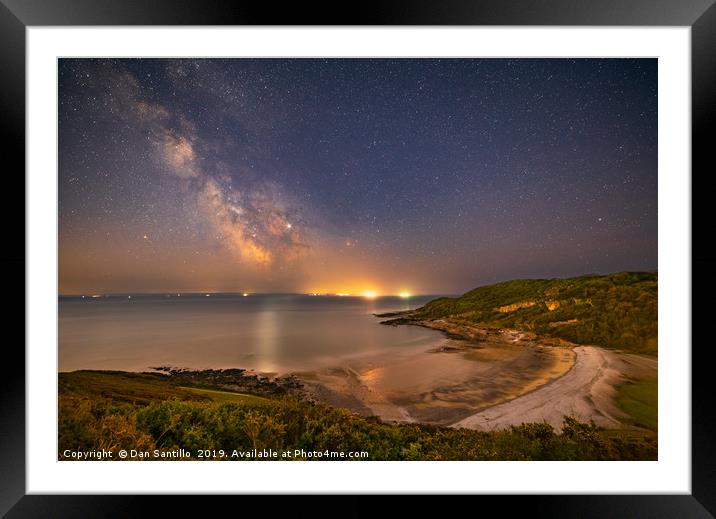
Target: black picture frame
[{"x": 17, "y": 15}]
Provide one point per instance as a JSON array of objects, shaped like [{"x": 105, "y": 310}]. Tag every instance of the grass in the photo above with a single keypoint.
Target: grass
[
  {"x": 227, "y": 396},
  {"x": 639, "y": 399},
  {"x": 123, "y": 387}
]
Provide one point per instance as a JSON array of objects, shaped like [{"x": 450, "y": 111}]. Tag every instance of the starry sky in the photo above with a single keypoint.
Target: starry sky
[{"x": 429, "y": 176}]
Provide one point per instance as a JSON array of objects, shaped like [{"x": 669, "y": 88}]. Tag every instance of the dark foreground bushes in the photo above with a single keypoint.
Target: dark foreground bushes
[{"x": 87, "y": 423}]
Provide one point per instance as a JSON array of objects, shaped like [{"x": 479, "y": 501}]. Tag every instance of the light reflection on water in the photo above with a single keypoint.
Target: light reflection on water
[
  {"x": 270, "y": 333},
  {"x": 267, "y": 338}
]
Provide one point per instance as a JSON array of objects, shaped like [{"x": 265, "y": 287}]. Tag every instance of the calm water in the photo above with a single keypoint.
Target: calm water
[{"x": 272, "y": 333}]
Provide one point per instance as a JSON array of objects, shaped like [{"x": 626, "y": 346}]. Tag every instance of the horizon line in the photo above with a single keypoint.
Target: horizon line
[
  {"x": 209, "y": 292},
  {"x": 340, "y": 294}
]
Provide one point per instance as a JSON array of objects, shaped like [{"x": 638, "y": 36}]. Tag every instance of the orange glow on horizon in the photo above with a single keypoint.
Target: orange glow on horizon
[{"x": 358, "y": 290}]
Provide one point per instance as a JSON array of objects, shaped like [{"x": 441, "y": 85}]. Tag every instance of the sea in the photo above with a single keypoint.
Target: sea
[{"x": 268, "y": 333}]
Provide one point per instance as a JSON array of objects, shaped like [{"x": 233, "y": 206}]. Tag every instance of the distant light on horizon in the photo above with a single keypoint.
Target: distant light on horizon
[
  {"x": 370, "y": 294},
  {"x": 245, "y": 294},
  {"x": 404, "y": 295}
]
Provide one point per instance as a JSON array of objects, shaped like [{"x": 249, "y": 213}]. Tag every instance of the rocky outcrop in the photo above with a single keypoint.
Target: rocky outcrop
[
  {"x": 552, "y": 305},
  {"x": 515, "y": 306},
  {"x": 563, "y": 323}
]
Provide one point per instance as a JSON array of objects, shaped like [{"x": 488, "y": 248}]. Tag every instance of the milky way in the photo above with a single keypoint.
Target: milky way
[{"x": 340, "y": 175}]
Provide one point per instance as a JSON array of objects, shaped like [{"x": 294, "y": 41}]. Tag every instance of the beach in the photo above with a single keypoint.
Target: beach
[
  {"x": 484, "y": 379},
  {"x": 586, "y": 392}
]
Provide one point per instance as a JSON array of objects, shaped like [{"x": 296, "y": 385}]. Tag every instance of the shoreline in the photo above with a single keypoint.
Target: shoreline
[
  {"x": 587, "y": 390},
  {"x": 473, "y": 369},
  {"x": 478, "y": 378}
]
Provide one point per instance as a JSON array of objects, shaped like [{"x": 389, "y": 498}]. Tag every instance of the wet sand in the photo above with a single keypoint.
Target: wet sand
[
  {"x": 442, "y": 385},
  {"x": 484, "y": 379}
]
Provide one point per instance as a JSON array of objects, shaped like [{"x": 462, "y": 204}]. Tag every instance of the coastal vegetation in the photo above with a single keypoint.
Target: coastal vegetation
[
  {"x": 617, "y": 311},
  {"x": 639, "y": 400},
  {"x": 118, "y": 410},
  {"x": 233, "y": 409}
]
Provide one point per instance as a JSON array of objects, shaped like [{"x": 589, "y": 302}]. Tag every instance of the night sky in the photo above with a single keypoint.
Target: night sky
[{"x": 353, "y": 175}]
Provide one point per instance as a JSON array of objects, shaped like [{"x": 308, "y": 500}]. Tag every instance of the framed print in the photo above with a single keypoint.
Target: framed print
[{"x": 449, "y": 251}]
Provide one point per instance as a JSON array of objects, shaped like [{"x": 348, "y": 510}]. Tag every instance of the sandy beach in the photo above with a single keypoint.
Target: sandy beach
[
  {"x": 483, "y": 379},
  {"x": 445, "y": 384},
  {"x": 585, "y": 392}
]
